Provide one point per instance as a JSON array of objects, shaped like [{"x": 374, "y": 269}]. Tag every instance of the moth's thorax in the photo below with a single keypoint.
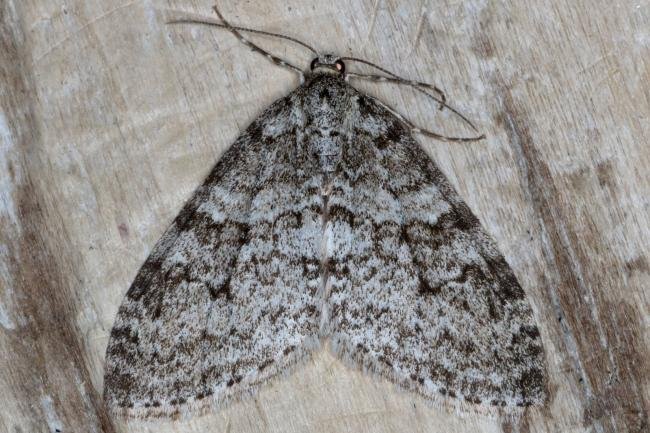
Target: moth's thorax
[{"x": 326, "y": 105}]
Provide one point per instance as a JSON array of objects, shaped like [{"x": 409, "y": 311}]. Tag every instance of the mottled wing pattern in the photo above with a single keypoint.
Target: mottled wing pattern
[
  {"x": 417, "y": 291},
  {"x": 227, "y": 297}
]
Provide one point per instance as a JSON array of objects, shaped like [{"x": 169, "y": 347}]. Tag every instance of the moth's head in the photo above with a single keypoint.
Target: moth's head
[{"x": 328, "y": 64}]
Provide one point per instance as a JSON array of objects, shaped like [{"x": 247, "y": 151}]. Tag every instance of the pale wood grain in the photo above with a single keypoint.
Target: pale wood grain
[{"x": 109, "y": 119}]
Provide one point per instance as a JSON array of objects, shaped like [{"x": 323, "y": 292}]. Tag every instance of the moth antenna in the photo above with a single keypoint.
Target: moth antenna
[
  {"x": 208, "y": 22},
  {"x": 235, "y": 30},
  {"x": 418, "y": 85},
  {"x": 428, "y": 132}
]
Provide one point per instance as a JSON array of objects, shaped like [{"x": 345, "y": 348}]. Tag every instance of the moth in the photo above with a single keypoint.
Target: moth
[{"x": 324, "y": 221}]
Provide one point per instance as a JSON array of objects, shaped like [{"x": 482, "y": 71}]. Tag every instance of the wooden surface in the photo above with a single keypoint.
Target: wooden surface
[{"x": 109, "y": 120}]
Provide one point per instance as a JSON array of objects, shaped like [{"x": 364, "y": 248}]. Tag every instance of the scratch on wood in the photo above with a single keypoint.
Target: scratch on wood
[
  {"x": 373, "y": 20},
  {"x": 418, "y": 28},
  {"x": 82, "y": 29},
  {"x": 260, "y": 410}
]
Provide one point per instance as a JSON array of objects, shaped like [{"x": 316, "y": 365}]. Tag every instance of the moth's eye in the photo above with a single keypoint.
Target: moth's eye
[
  {"x": 340, "y": 66},
  {"x": 313, "y": 64}
]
